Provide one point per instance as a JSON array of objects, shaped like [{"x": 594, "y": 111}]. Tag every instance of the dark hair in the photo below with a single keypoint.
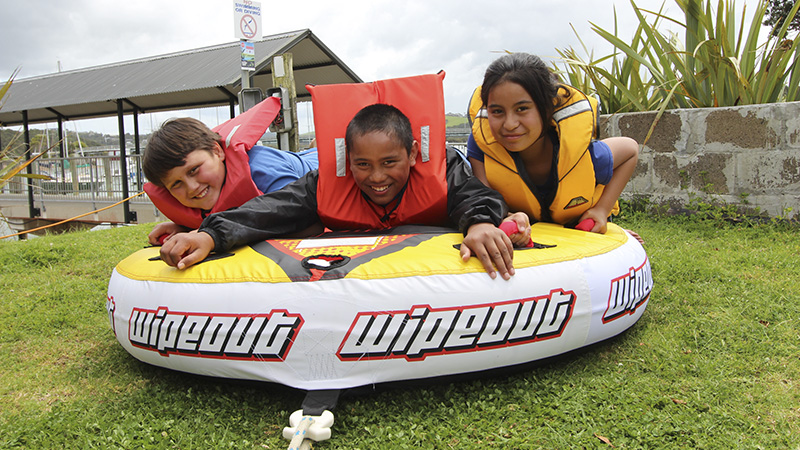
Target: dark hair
[
  {"x": 168, "y": 146},
  {"x": 530, "y": 72},
  {"x": 383, "y": 118}
]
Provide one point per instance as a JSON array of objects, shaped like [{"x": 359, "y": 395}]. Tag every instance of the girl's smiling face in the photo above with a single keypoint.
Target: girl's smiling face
[
  {"x": 198, "y": 182},
  {"x": 513, "y": 117}
]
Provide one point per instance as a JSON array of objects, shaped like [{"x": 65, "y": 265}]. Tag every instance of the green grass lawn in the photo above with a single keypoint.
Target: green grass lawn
[{"x": 713, "y": 363}]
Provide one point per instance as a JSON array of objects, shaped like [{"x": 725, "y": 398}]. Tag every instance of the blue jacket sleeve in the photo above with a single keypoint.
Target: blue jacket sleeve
[
  {"x": 473, "y": 151},
  {"x": 272, "y": 169},
  {"x": 603, "y": 161}
]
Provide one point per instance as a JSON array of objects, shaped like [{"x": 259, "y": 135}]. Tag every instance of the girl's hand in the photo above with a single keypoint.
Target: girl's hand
[
  {"x": 600, "y": 220},
  {"x": 521, "y": 231}
]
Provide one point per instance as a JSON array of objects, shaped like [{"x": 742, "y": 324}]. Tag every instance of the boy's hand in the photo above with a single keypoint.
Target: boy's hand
[
  {"x": 186, "y": 249},
  {"x": 167, "y": 229},
  {"x": 492, "y": 247}
]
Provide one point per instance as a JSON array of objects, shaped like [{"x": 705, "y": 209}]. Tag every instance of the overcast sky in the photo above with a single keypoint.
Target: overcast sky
[{"x": 377, "y": 39}]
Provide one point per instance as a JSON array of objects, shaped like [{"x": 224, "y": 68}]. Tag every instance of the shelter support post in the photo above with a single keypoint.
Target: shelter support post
[
  {"x": 137, "y": 148},
  {"x": 283, "y": 76},
  {"x": 129, "y": 215},
  {"x": 62, "y": 153},
  {"x": 32, "y": 210}
]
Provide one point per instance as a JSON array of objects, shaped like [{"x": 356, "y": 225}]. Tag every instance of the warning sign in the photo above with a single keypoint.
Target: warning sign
[{"x": 247, "y": 19}]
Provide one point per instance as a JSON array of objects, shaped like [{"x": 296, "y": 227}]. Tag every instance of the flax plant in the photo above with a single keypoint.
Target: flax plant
[
  {"x": 619, "y": 81},
  {"x": 9, "y": 166},
  {"x": 717, "y": 63},
  {"x": 12, "y": 166}
]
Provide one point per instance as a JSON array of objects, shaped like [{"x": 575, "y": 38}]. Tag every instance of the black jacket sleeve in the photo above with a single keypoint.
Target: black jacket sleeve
[
  {"x": 468, "y": 200},
  {"x": 294, "y": 208},
  {"x": 278, "y": 213}
]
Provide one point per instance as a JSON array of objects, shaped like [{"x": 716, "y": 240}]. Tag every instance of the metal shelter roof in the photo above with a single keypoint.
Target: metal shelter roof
[{"x": 203, "y": 77}]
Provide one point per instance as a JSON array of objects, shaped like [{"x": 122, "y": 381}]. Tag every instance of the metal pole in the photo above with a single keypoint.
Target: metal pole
[
  {"x": 136, "y": 148},
  {"x": 123, "y": 164},
  {"x": 32, "y": 211},
  {"x": 62, "y": 152},
  {"x": 245, "y": 83}
]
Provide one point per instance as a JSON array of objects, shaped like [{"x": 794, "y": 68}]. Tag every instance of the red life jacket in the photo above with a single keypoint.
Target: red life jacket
[
  {"x": 340, "y": 203},
  {"x": 240, "y": 134}
]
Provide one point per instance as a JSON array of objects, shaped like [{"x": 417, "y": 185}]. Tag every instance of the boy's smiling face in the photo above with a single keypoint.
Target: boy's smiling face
[
  {"x": 197, "y": 183},
  {"x": 381, "y": 165}
]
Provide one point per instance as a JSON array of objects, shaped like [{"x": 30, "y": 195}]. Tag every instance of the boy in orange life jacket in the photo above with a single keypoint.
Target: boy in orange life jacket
[
  {"x": 187, "y": 169},
  {"x": 382, "y": 154}
]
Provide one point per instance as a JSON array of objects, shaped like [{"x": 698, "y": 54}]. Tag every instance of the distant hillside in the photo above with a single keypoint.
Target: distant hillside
[
  {"x": 457, "y": 131},
  {"x": 13, "y": 140},
  {"x": 457, "y": 128},
  {"x": 456, "y": 121}
]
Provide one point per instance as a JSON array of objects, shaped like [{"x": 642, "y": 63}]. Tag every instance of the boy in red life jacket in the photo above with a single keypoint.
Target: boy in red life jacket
[
  {"x": 188, "y": 169},
  {"x": 387, "y": 191}
]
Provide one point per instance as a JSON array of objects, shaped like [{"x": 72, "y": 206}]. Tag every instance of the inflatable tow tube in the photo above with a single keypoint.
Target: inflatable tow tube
[{"x": 341, "y": 311}]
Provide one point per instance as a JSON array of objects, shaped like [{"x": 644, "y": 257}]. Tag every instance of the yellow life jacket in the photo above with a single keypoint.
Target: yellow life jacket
[{"x": 576, "y": 190}]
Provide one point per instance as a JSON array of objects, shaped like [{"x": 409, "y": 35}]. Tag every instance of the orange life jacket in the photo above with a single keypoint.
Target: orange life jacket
[
  {"x": 341, "y": 204},
  {"x": 240, "y": 134}
]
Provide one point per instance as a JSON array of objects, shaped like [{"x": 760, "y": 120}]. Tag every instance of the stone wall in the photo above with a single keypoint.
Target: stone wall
[{"x": 747, "y": 155}]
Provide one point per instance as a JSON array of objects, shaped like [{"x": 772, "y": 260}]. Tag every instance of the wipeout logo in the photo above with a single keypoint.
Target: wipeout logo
[
  {"x": 424, "y": 331},
  {"x": 228, "y": 336},
  {"x": 629, "y": 292}
]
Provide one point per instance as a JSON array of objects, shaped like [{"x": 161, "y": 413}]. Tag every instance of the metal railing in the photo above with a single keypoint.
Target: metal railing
[{"x": 96, "y": 177}]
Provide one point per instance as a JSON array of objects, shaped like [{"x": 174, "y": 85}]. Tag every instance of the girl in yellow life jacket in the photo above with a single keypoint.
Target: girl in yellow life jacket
[{"x": 534, "y": 141}]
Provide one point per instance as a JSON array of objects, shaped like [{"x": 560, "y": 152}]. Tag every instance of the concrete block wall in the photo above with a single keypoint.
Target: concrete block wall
[{"x": 744, "y": 155}]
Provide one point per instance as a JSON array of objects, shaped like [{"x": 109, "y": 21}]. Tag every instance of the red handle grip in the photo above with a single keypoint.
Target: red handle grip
[
  {"x": 510, "y": 227},
  {"x": 585, "y": 225}
]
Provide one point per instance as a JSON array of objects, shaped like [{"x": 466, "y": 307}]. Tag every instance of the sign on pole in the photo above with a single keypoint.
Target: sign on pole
[
  {"x": 248, "y": 55},
  {"x": 247, "y": 19}
]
